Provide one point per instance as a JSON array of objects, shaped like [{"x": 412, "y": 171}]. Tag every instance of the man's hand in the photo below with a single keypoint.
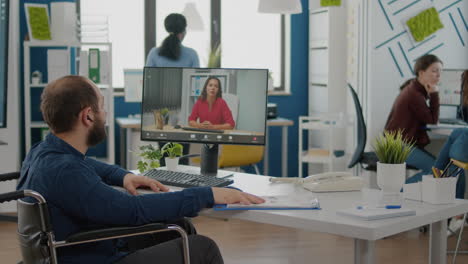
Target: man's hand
[
  {"x": 132, "y": 182},
  {"x": 232, "y": 196}
]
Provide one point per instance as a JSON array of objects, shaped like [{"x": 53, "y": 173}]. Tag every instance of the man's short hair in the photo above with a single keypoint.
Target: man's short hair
[{"x": 63, "y": 99}]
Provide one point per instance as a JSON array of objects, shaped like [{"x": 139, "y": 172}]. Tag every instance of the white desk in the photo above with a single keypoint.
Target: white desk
[
  {"x": 444, "y": 129},
  {"x": 128, "y": 124},
  {"x": 365, "y": 233}
]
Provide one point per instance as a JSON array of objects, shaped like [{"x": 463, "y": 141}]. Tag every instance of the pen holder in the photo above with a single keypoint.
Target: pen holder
[{"x": 438, "y": 190}]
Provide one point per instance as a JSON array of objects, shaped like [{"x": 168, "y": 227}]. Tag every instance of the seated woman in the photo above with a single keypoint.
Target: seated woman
[
  {"x": 211, "y": 110},
  {"x": 410, "y": 112}
]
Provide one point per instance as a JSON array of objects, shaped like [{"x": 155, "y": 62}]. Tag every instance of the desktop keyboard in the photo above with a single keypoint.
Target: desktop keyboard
[
  {"x": 203, "y": 130},
  {"x": 452, "y": 121},
  {"x": 186, "y": 180}
]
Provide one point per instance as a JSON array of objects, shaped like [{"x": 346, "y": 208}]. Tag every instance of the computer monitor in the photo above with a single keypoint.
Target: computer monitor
[
  {"x": 179, "y": 105},
  {"x": 450, "y": 87},
  {"x": 4, "y": 10}
]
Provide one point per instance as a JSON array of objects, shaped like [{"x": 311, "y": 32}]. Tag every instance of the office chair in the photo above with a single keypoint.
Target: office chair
[
  {"x": 235, "y": 156},
  {"x": 238, "y": 156},
  {"x": 7, "y": 177},
  {"x": 462, "y": 166},
  {"x": 368, "y": 160},
  {"x": 233, "y": 103},
  {"x": 37, "y": 241}
]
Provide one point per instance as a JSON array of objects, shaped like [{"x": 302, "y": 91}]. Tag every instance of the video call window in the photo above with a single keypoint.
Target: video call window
[{"x": 225, "y": 106}]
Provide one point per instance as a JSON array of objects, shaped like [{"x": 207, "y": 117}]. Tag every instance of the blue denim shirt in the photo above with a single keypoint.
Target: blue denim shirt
[
  {"x": 78, "y": 192},
  {"x": 188, "y": 58}
]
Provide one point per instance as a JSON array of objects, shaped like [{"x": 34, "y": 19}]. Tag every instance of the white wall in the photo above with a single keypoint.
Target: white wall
[
  {"x": 10, "y": 154},
  {"x": 378, "y": 75}
]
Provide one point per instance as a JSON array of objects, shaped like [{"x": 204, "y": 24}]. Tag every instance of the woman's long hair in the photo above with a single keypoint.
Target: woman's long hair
[
  {"x": 174, "y": 24},
  {"x": 204, "y": 95},
  {"x": 422, "y": 63}
]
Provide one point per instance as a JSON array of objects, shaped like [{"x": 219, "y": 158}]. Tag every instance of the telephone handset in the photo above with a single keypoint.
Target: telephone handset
[{"x": 327, "y": 182}]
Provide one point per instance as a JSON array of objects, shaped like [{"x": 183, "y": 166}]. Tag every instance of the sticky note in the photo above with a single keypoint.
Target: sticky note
[
  {"x": 330, "y": 2},
  {"x": 424, "y": 24}
]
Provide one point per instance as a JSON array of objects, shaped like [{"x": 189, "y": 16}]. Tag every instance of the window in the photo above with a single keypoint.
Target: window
[
  {"x": 126, "y": 32},
  {"x": 248, "y": 39},
  {"x": 198, "y": 40},
  {"x": 251, "y": 39}
]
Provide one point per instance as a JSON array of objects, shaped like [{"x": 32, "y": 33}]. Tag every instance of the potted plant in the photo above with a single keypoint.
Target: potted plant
[
  {"x": 173, "y": 151},
  {"x": 392, "y": 150},
  {"x": 150, "y": 157},
  {"x": 214, "y": 57}
]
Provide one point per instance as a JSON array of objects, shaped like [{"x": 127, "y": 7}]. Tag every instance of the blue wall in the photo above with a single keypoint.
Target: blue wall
[{"x": 293, "y": 106}]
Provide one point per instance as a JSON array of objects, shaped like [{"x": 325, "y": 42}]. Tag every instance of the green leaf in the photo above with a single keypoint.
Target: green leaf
[
  {"x": 391, "y": 147},
  {"x": 142, "y": 166},
  {"x": 172, "y": 149}
]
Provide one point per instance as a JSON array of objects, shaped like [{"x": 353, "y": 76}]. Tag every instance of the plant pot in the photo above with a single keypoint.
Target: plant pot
[
  {"x": 391, "y": 177},
  {"x": 171, "y": 164}
]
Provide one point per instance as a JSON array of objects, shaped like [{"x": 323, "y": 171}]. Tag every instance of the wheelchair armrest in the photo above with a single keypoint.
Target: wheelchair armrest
[
  {"x": 9, "y": 176},
  {"x": 114, "y": 232},
  {"x": 11, "y": 196}
]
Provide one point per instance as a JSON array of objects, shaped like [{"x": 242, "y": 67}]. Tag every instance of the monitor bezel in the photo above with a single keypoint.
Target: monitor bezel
[
  {"x": 208, "y": 141},
  {"x": 7, "y": 44}
]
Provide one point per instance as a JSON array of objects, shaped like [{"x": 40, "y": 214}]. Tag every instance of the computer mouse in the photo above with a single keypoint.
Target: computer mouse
[{"x": 177, "y": 126}]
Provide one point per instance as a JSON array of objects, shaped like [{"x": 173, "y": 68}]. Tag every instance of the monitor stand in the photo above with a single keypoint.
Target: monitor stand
[{"x": 209, "y": 159}]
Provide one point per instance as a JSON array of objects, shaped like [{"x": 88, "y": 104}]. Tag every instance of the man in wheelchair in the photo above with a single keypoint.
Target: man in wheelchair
[{"x": 80, "y": 197}]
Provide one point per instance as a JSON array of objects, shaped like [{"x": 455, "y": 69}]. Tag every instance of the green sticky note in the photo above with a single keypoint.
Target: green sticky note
[
  {"x": 330, "y": 2},
  {"x": 424, "y": 24},
  {"x": 39, "y": 23}
]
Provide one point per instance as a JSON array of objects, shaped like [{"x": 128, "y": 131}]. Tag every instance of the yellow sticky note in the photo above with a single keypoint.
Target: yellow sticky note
[
  {"x": 39, "y": 22},
  {"x": 330, "y": 2},
  {"x": 424, "y": 24}
]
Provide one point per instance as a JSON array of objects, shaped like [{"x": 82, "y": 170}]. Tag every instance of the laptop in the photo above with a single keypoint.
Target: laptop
[{"x": 449, "y": 115}]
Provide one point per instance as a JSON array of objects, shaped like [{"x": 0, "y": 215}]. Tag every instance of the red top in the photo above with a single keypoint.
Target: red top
[
  {"x": 219, "y": 114},
  {"x": 411, "y": 113}
]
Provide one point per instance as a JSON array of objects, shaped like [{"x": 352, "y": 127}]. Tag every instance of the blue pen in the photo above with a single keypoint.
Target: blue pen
[{"x": 360, "y": 207}]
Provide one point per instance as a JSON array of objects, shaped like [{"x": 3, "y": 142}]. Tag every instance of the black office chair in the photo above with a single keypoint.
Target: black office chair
[
  {"x": 7, "y": 177},
  {"x": 37, "y": 241},
  {"x": 368, "y": 160}
]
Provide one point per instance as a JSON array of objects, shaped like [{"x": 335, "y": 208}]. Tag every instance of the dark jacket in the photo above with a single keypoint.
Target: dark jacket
[
  {"x": 79, "y": 196},
  {"x": 411, "y": 113}
]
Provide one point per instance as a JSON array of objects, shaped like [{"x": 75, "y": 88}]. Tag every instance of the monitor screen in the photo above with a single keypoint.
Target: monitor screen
[
  {"x": 450, "y": 87},
  {"x": 211, "y": 106},
  {"x": 4, "y": 8}
]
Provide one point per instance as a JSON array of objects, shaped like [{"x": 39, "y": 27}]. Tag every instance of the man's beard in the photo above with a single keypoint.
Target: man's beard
[{"x": 97, "y": 133}]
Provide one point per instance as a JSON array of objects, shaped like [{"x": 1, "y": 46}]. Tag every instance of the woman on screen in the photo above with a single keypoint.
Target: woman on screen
[{"x": 211, "y": 111}]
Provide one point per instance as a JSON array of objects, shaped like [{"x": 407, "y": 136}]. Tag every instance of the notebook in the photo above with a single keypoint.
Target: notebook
[
  {"x": 274, "y": 203},
  {"x": 376, "y": 213}
]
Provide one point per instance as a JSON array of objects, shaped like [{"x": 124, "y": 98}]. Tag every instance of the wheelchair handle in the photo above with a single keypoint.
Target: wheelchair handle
[
  {"x": 9, "y": 176},
  {"x": 11, "y": 196}
]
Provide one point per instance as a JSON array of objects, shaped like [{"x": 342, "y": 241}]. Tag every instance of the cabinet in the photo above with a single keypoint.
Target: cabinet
[
  {"x": 327, "y": 70},
  {"x": 50, "y": 59},
  {"x": 326, "y": 126}
]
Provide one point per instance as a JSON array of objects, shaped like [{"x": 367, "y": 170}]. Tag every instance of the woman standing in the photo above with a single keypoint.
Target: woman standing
[
  {"x": 172, "y": 53},
  {"x": 411, "y": 113}
]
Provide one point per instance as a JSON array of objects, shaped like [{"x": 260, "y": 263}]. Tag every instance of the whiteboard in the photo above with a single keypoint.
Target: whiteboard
[
  {"x": 450, "y": 87},
  {"x": 133, "y": 84}
]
